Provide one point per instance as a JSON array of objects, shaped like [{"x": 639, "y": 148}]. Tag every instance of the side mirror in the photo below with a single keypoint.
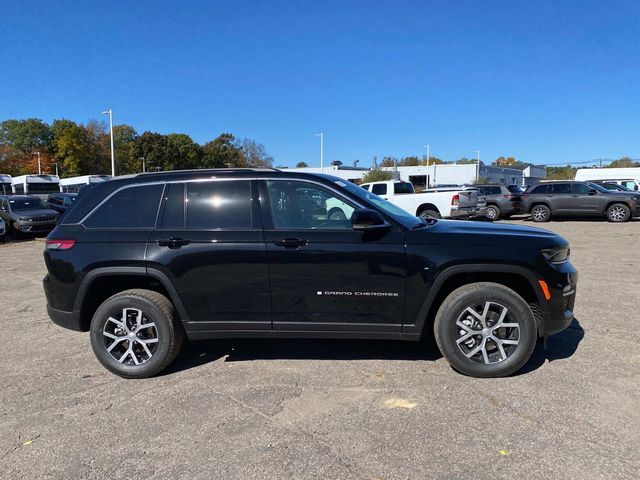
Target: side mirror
[
  {"x": 593, "y": 191},
  {"x": 366, "y": 219}
]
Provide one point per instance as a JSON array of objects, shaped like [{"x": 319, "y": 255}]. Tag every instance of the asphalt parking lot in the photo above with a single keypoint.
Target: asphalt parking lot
[{"x": 329, "y": 409}]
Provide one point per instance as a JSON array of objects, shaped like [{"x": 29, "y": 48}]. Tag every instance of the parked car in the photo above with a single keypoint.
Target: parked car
[
  {"x": 614, "y": 187},
  {"x": 448, "y": 202},
  {"x": 502, "y": 200},
  {"x": 60, "y": 202},
  {"x": 570, "y": 198},
  {"x": 26, "y": 214},
  {"x": 140, "y": 261},
  {"x": 3, "y": 231}
]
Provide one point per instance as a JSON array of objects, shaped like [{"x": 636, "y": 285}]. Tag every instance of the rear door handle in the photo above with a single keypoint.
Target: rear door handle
[
  {"x": 173, "y": 242},
  {"x": 290, "y": 242}
]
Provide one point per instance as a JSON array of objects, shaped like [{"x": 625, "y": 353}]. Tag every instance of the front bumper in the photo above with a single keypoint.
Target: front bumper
[
  {"x": 557, "y": 313},
  {"x": 34, "y": 227}
]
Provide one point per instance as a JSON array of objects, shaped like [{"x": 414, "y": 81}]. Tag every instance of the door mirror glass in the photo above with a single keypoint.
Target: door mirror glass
[
  {"x": 593, "y": 191},
  {"x": 367, "y": 219}
]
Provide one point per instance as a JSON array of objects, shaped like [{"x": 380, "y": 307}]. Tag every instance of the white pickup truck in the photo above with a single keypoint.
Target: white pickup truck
[{"x": 432, "y": 203}]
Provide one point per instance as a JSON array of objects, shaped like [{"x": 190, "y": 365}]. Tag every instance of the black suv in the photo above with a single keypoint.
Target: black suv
[
  {"x": 566, "y": 198},
  {"x": 60, "y": 202},
  {"x": 502, "y": 200},
  {"x": 26, "y": 214},
  {"x": 139, "y": 261}
]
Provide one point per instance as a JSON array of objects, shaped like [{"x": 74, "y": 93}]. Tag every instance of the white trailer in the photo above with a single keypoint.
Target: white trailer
[
  {"x": 36, "y": 184},
  {"x": 73, "y": 184},
  {"x": 616, "y": 175},
  {"x": 6, "y": 186}
]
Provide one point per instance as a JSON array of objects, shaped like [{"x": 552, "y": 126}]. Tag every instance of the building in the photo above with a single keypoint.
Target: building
[{"x": 534, "y": 174}]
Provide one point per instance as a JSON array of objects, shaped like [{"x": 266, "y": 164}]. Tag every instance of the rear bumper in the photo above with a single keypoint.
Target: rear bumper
[
  {"x": 70, "y": 320},
  {"x": 464, "y": 212}
]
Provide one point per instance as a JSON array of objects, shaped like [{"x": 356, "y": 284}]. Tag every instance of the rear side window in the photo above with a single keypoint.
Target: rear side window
[
  {"x": 542, "y": 189},
  {"x": 563, "y": 188},
  {"x": 130, "y": 208},
  {"x": 379, "y": 189},
  {"x": 219, "y": 205},
  {"x": 402, "y": 187}
]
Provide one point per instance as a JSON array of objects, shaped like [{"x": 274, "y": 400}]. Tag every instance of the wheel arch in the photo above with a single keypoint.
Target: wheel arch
[
  {"x": 102, "y": 283},
  {"x": 427, "y": 206},
  {"x": 517, "y": 278}
]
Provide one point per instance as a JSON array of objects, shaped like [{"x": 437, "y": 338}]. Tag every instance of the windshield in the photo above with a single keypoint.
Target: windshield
[
  {"x": 31, "y": 203},
  {"x": 389, "y": 208}
]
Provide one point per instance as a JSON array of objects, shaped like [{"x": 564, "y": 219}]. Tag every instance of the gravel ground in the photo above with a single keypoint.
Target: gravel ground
[{"x": 329, "y": 409}]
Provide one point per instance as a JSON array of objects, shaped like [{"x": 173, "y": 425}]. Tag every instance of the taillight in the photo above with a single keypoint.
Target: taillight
[
  {"x": 59, "y": 244},
  {"x": 455, "y": 200},
  {"x": 508, "y": 196}
]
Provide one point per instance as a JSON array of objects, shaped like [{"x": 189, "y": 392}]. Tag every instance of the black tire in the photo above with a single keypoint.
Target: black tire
[
  {"x": 336, "y": 214},
  {"x": 427, "y": 214},
  {"x": 493, "y": 212},
  {"x": 454, "y": 311},
  {"x": 155, "y": 309},
  {"x": 540, "y": 213},
  {"x": 618, "y": 213}
]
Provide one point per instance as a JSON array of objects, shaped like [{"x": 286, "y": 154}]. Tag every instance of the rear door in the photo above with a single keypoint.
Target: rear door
[
  {"x": 325, "y": 276},
  {"x": 564, "y": 201},
  {"x": 209, "y": 243}
]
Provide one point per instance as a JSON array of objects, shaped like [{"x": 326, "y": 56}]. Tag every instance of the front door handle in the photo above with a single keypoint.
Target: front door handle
[
  {"x": 173, "y": 242},
  {"x": 290, "y": 242}
]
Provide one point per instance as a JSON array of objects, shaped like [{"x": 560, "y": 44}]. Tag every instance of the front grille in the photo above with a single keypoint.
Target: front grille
[{"x": 47, "y": 218}]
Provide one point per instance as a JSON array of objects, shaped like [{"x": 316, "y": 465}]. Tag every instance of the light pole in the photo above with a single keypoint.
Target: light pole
[
  {"x": 477, "y": 165},
  {"x": 113, "y": 159},
  {"x": 144, "y": 168},
  {"x": 39, "y": 167},
  {"x": 427, "y": 147},
  {"x": 321, "y": 135}
]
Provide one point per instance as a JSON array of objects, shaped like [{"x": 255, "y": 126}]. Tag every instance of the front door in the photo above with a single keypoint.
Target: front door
[
  {"x": 209, "y": 243},
  {"x": 585, "y": 199},
  {"x": 324, "y": 275}
]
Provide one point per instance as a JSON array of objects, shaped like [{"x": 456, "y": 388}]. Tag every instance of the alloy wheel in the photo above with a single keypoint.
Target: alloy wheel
[
  {"x": 617, "y": 213},
  {"x": 538, "y": 214},
  {"x": 131, "y": 339},
  {"x": 487, "y": 334},
  {"x": 491, "y": 213}
]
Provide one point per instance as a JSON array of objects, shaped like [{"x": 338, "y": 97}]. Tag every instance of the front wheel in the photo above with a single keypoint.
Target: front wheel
[
  {"x": 136, "y": 333},
  {"x": 485, "y": 330},
  {"x": 618, "y": 213}
]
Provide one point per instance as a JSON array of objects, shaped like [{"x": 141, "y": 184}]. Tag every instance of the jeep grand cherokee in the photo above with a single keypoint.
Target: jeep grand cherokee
[{"x": 142, "y": 260}]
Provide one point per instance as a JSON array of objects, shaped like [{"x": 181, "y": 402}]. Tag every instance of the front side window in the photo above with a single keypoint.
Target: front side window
[
  {"x": 301, "y": 205},
  {"x": 130, "y": 208},
  {"x": 580, "y": 189},
  {"x": 219, "y": 205}
]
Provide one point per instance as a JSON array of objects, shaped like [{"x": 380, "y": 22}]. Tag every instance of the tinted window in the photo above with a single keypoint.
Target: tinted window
[
  {"x": 580, "y": 188},
  {"x": 514, "y": 189},
  {"x": 302, "y": 205},
  {"x": 492, "y": 191},
  {"x": 173, "y": 217},
  {"x": 219, "y": 205},
  {"x": 562, "y": 188},
  {"x": 542, "y": 189},
  {"x": 133, "y": 207},
  {"x": 402, "y": 187},
  {"x": 379, "y": 189}
]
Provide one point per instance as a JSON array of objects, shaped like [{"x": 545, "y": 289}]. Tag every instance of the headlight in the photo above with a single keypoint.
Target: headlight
[{"x": 556, "y": 255}]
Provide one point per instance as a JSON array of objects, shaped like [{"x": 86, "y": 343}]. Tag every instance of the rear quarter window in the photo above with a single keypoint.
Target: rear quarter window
[
  {"x": 541, "y": 189},
  {"x": 130, "y": 208}
]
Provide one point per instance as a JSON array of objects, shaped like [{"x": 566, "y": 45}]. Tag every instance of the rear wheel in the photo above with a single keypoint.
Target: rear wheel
[
  {"x": 427, "y": 214},
  {"x": 493, "y": 212},
  {"x": 540, "y": 213},
  {"x": 485, "y": 330},
  {"x": 618, "y": 212},
  {"x": 136, "y": 333}
]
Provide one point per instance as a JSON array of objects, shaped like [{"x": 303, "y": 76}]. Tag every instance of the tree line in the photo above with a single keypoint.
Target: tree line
[{"x": 84, "y": 149}]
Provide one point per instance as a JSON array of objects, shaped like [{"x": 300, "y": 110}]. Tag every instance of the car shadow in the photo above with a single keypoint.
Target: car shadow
[
  {"x": 201, "y": 352},
  {"x": 559, "y": 346}
]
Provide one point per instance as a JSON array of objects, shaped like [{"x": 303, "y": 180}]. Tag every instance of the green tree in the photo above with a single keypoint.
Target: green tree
[
  {"x": 432, "y": 160},
  {"x": 624, "y": 162},
  {"x": 301, "y": 165},
  {"x": 183, "y": 152},
  {"x": 388, "y": 161},
  {"x": 466, "y": 161},
  {"x": 19, "y": 139},
  {"x": 561, "y": 173},
  {"x": 79, "y": 150},
  {"x": 124, "y": 146},
  {"x": 377, "y": 175},
  {"x": 221, "y": 152},
  {"x": 412, "y": 161}
]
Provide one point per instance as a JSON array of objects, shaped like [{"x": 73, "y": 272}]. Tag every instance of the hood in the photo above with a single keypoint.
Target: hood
[
  {"x": 486, "y": 233},
  {"x": 39, "y": 212}
]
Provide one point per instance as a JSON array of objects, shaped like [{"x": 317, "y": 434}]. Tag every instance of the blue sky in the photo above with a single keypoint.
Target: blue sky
[{"x": 545, "y": 81}]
